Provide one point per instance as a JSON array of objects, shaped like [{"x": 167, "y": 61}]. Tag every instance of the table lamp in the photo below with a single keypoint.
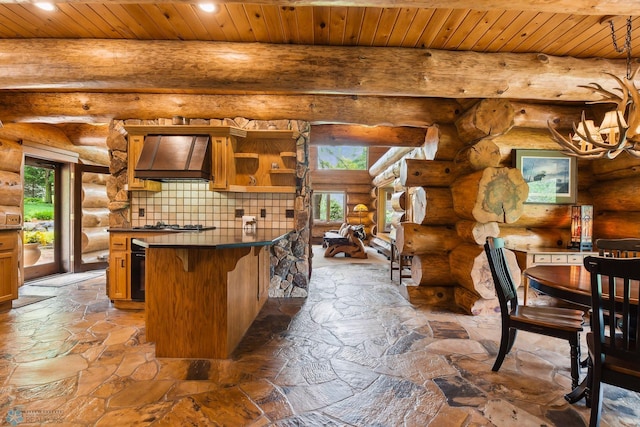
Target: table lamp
[
  {"x": 581, "y": 227},
  {"x": 360, "y": 208}
]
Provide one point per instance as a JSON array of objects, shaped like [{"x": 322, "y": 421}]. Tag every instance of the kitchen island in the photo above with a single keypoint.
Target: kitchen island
[{"x": 204, "y": 289}]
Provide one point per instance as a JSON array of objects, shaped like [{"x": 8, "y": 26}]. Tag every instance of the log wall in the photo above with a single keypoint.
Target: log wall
[
  {"x": 95, "y": 217},
  {"x": 615, "y": 197},
  {"x": 479, "y": 194},
  {"x": 467, "y": 151}
]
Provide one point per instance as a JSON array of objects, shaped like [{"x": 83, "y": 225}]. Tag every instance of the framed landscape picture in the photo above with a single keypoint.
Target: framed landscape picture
[{"x": 551, "y": 175}]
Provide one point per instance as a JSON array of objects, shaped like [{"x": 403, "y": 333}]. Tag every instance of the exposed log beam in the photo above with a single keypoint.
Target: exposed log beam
[
  {"x": 94, "y": 108},
  {"x": 53, "y": 137},
  {"x": 86, "y": 107},
  {"x": 86, "y": 134},
  {"x": 580, "y": 7},
  {"x": 367, "y": 136},
  {"x": 215, "y": 67}
]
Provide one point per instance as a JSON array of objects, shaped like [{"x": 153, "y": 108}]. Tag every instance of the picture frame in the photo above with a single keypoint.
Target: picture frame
[{"x": 551, "y": 176}]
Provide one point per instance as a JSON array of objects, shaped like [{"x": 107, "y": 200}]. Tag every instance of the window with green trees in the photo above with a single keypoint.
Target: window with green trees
[
  {"x": 342, "y": 157},
  {"x": 328, "y": 206},
  {"x": 38, "y": 193}
]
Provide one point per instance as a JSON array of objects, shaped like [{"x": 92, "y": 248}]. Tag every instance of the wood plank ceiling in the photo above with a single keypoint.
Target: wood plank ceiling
[
  {"x": 557, "y": 34},
  {"x": 562, "y": 28}
]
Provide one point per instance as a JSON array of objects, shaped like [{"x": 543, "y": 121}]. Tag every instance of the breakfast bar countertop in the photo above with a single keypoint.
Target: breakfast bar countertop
[{"x": 217, "y": 239}]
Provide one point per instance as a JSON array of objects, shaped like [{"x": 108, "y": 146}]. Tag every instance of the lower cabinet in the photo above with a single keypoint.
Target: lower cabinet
[
  {"x": 119, "y": 269},
  {"x": 8, "y": 268},
  {"x": 547, "y": 256}
]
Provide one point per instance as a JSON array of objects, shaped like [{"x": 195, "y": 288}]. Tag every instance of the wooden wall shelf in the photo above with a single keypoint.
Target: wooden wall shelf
[
  {"x": 261, "y": 189},
  {"x": 246, "y": 156},
  {"x": 282, "y": 170}
]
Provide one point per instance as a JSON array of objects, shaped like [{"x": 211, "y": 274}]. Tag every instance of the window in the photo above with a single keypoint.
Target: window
[
  {"x": 387, "y": 208},
  {"x": 342, "y": 157},
  {"x": 328, "y": 206}
]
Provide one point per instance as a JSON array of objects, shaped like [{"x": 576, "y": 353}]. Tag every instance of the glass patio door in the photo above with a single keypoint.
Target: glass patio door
[{"x": 41, "y": 204}]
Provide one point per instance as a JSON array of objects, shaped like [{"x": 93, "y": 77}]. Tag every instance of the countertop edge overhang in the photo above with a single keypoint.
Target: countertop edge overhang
[
  {"x": 213, "y": 239},
  {"x": 10, "y": 227}
]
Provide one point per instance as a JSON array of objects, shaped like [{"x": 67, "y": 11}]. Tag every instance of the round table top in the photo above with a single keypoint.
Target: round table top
[{"x": 568, "y": 282}]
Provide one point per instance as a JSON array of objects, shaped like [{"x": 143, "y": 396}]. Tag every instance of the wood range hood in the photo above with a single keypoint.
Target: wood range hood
[{"x": 175, "y": 157}]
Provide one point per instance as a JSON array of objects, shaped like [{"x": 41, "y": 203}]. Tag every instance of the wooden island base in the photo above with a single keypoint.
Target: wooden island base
[{"x": 201, "y": 301}]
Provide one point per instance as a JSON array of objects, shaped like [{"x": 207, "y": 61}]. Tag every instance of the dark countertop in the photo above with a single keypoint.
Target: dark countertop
[
  {"x": 143, "y": 230},
  {"x": 214, "y": 239}
]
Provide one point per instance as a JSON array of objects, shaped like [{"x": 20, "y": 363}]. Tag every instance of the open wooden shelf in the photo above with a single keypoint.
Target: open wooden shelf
[
  {"x": 246, "y": 156},
  {"x": 262, "y": 189},
  {"x": 282, "y": 170},
  {"x": 288, "y": 154}
]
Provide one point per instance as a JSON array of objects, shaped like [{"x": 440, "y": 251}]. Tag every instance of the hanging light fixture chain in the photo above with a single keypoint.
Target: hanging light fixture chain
[{"x": 627, "y": 43}]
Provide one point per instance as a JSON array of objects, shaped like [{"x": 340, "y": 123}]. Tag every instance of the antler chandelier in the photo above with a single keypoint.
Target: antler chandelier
[{"x": 620, "y": 128}]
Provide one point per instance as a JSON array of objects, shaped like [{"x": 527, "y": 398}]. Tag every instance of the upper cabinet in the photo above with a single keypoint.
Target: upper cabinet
[
  {"x": 135, "y": 148},
  {"x": 263, "y": 161},
  {"x": 241, "y": 160}
]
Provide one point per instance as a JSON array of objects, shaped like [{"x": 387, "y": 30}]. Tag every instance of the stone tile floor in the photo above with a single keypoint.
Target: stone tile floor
[{"x": 355, "y": 353}]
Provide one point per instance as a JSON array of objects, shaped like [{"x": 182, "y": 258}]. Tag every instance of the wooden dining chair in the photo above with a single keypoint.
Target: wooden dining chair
[
  {"x": 555, "y": 322},
  {"x": 618, "y": 248},
  {"x": 614, "y": 352}
]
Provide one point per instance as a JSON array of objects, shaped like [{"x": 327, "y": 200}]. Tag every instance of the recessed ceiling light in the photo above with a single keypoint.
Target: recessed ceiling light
[
  {"x": 208, "y": 7},
  {"x": 49, "y": 7}
]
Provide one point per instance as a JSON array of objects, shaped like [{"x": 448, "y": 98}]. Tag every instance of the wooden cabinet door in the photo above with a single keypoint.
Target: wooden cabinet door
[
  {"x": 8, "y": 266},
  {"x": 135, "y": 149},
  {"x": 8, "y": 276},
  {"x": 118, "y": 275},
  {"x": 219, "y": 163}
]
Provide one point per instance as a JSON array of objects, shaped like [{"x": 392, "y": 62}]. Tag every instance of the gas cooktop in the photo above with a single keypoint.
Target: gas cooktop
[{"x": 176, "y": 227}]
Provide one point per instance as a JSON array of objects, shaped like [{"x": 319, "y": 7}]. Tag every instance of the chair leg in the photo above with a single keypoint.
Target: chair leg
[
  {"x": 595, "y": 394},
  {"x": 512, "y": 338},
  {"x": 506, "y": 342},
  {"x": 575, "y": 361}
]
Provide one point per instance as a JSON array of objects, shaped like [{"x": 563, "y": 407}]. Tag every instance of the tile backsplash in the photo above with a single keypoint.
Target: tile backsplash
[{"x": 191, "y": 202}]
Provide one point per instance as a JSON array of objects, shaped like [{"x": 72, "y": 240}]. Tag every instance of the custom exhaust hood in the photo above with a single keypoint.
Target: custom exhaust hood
[{"x": 175, "y": 157}]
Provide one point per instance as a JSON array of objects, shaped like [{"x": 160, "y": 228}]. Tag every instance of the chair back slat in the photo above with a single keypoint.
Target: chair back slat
[
  {"x": 619, "y": 336},
  {"x": 618, "y": 248},
  {"x": 505, "y": 286}
]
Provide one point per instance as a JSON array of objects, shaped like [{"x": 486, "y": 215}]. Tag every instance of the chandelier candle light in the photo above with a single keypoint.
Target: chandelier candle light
[{"x": 620, "y": 128}]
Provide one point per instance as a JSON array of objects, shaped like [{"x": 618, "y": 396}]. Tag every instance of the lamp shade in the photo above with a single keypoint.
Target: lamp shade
[
  {"x": 360, "y": 208},
  {"x": 610, "y": 121},
  {"x": 587, "y": 128}
]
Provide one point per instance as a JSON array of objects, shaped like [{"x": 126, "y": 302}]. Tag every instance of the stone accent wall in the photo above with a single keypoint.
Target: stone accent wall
[{"x": 290, "y": 258}]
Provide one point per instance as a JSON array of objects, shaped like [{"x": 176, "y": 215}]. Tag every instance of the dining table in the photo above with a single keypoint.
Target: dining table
[{"x": 571, "y": 283}]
